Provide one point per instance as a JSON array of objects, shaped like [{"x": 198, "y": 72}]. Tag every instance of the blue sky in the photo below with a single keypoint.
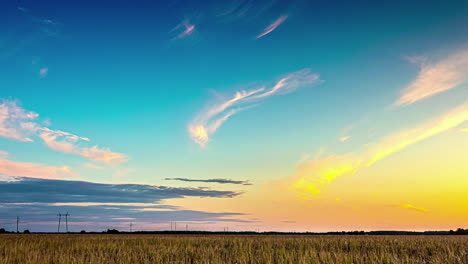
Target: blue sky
[{"x": 134, "y": 77}]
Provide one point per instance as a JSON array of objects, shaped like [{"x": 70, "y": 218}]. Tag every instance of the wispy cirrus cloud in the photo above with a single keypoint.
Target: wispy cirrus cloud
[
  {"x": 313, "y": 175},
  {"x": 185, "y": 28},
  {"x": 19, "y": 124},
  {"x": 208, "y": 121},
  {"x": 38, "y": 29},
  {"x": 344, "y": 138},
  {"x": 236, "y": 9},
  {"x": 43, "y": 72},
  {"x": 414, "y": 208},
  {"x": 220, "y": 181},
  {"x": 273, "y": 26},
  {"x": 345, "y": 134},
  {"x": 67, "y": 143},
  {"x": 243, "y": 10},
  {"x": 436, "y": 77},
  {"x": 27, "y": 169}
]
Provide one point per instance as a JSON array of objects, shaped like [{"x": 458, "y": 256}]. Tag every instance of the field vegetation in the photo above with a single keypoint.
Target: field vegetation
[{"x": 89, "y": 248}]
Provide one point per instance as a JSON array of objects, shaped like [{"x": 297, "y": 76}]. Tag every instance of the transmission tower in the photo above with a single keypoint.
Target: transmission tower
[
  {"x": 60, "y": 219},
  {"x": 66, "y": 220}
]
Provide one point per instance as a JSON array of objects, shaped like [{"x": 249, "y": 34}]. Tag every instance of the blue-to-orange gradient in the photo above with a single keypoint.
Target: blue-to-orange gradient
[{"x": 247, "y": 115}]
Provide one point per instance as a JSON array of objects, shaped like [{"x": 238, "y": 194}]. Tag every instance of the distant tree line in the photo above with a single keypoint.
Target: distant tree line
[
  {"x": 3, "y": 231},
  {"x": 459, "y": 231}
]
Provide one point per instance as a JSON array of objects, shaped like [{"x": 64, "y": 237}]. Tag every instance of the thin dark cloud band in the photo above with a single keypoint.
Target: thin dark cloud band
[
  {"x": 29, "y": 190},
  {"x": 221, "y": 181}
]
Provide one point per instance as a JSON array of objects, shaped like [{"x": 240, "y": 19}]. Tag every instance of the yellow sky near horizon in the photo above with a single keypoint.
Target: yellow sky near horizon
[{"x": 420, "y": 187}]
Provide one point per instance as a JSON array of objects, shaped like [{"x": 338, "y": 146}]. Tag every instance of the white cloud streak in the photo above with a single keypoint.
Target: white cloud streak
[
  {"x": 208, "y": 121},
  {"x": 273, "y": 26},
  {"x": 314, "y": 174},
  {"x": 34, "y": 170},
  {"x": 434, "y": 78},
  {"x": 18, "y": 124},
  {"x": 188, "y": 29},
  {"x": 414, "y": 208}
]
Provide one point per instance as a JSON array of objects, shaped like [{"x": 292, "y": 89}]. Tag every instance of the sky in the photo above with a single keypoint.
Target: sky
[{"x": 248, "y": 115}]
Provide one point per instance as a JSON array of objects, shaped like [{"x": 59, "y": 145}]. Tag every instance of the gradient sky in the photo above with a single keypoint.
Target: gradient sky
[{"x": 252, "y": 115}]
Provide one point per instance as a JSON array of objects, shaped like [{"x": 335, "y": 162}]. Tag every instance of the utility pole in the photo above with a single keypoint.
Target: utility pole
[
  {"x": 171, "y": 226},
  {"x": 17, "y": 224},
  {"x": 175, "y": 226},
  {"x": 66, "y": 220},
  {"x": 60, "y": 218},
  {"x": 131, "y": 225},
  {"x": 186, "y": 227}
]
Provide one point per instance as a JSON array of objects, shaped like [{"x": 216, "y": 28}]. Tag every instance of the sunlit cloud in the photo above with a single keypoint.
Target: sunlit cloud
[
  {"x": 345, "y": 133},
  {"x": 186, "y": 28},
  {"x": 437, "y": 77},
  {"x": 19, "y": 124},
  {"x": 412, "y": 207},
  {"x": 273, "y": 26},
  {"x": 103, "y": 155},
  {"x": 313, "y": 175},
  {"x": 208, "y": 121},
  {"x": 401, "y": 140},
  {"x": 344, "y": 138},
  {"x": 12, "y": 119},
  {"x": 43, "y": 72},
  {"x": 35, "y": 170}
]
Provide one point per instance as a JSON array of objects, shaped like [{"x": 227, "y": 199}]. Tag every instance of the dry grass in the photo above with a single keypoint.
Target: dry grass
[{"x": 37, "y": 248}]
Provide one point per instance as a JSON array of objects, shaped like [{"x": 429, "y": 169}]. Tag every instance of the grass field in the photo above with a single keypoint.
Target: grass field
[{"x": 73, "y": 248}]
